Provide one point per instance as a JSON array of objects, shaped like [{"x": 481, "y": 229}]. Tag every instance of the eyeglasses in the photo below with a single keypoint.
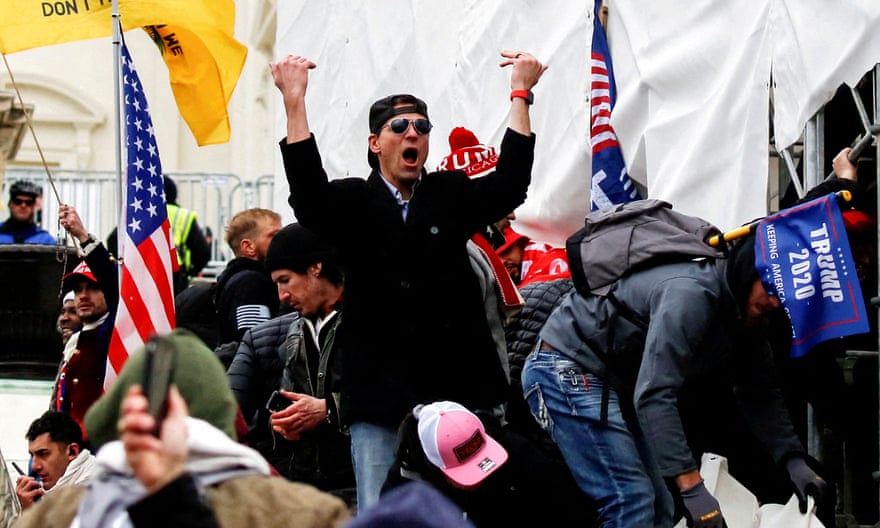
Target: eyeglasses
[
  {"x": 23, "y": 201},
  {"x": 401, "y": 125}
]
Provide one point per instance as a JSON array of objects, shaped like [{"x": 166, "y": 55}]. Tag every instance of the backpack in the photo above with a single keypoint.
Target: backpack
[
  {"x": 635, "y": 235},
  {"x": 620, "y": 240}
]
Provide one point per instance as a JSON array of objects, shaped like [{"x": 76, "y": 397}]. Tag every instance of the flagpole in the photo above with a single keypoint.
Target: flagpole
[
  {"x": 117, "y": 114},
  {"x": 844, "y": 196}
]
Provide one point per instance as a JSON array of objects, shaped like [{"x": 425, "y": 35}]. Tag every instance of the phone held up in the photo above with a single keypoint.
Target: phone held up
[
  {"x": 277, "y": 402},
  {"x": 158, "y": 373}
]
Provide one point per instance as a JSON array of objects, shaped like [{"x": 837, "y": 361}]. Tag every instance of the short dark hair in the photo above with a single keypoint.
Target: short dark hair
[
  {"x": 170, "y": 190},
  {"x": 60, "y": 426},
  {"x": 741, "y": 271}
]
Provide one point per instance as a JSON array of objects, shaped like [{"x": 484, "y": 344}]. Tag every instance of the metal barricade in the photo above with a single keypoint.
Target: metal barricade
[{"x": 215, "y": 197}]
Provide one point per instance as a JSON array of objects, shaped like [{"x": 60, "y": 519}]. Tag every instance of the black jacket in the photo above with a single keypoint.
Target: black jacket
[
  {"x": 243, "y": 284},
  {"x": 416, "y": 328}
]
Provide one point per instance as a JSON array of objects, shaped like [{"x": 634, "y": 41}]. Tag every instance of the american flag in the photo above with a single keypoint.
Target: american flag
[
  {"x": 611, "y": 183},
  {"x": 146, "y": 297}
]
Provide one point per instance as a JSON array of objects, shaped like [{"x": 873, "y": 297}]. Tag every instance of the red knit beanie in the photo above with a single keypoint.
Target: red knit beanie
[
  {"x": 460, "y": 137},
  {"x": 468, "y": 154}
]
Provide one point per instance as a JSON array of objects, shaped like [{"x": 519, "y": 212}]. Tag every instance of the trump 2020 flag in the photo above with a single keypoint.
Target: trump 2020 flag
[
  {"x": 146, "y": 298},
  {"x": 611, "y": 183},
  {"x": 802, "y": 255}
]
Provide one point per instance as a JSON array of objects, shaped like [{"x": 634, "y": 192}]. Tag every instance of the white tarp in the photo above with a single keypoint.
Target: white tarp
[
  {"x": 693, "y": 87},
  {"x": 693, "y": 90}
]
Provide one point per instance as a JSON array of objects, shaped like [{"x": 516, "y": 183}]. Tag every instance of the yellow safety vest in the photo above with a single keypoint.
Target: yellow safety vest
[{"x": 181, "y": 221}]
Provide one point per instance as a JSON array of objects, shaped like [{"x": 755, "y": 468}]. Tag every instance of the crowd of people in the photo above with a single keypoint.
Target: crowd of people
[{"x": 402, "y": 355}]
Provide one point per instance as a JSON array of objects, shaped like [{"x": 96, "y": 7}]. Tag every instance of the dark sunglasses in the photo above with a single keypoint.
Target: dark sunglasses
[
  {"x": 401, "y": 124},
  {"x": 25, "y": 201}
]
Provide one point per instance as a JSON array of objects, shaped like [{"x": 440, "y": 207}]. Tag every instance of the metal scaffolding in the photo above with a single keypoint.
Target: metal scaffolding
[{"x": 813, "y": 157}]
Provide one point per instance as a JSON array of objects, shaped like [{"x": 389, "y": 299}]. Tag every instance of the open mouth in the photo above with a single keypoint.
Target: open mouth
[{"x": 410, "y": 155}]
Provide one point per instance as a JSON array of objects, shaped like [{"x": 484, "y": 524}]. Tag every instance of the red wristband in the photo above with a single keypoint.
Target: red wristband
[{"x": 523, "y": 94}]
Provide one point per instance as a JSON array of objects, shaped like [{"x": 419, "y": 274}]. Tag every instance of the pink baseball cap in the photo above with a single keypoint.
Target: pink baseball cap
[{"x": 455, "y": 441}]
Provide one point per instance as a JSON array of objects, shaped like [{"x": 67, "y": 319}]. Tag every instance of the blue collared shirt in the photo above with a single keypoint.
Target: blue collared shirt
[{"x": 404, "y": 204}]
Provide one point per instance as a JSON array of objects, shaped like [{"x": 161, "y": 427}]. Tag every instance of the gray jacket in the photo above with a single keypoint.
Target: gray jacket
[{"x": 681, "y": 323}]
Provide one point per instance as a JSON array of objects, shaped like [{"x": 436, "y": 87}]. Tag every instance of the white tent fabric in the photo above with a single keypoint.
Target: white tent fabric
[
  {"x": 816, "y": 46},
  {"x": 693, "y": 87},
  {"x": 447, "y": 53},
  {"x": 694, "y": 81}
]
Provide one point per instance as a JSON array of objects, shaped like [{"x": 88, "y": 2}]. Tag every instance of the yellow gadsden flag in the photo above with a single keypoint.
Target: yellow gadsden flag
[{"x": 204, "y": 60}]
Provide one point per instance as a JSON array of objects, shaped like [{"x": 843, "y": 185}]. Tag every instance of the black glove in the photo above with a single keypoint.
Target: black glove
[
  {"x": 806, "y": 482},
  {"x": 701, "y": 508}
]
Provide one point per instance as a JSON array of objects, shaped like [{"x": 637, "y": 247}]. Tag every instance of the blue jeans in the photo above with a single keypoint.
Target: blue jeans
[
  {"x": 610, "y": 462},
  {"x": 372, "y": 454}
]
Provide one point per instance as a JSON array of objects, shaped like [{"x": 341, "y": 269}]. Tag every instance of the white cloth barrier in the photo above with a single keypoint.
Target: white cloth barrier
[{"x": 740, "y": 507}]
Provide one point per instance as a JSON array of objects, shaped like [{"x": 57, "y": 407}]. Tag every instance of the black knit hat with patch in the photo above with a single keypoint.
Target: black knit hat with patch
[{"x": 296, "y": 248}]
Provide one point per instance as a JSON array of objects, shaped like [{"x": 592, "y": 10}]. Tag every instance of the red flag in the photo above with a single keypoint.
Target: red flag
[{"x": 146, "y": 296}]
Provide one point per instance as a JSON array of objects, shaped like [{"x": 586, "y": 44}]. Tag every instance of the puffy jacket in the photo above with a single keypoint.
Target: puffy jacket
[
  {"x": 521, "y": 334},
  {"x": 523, "y": 329},
  {"x": 14, "y": 232},
  {"x": 255, "y": 371}
]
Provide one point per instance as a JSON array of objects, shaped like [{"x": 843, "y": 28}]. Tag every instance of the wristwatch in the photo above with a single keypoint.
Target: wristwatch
[{"x": 523, "y": 94}]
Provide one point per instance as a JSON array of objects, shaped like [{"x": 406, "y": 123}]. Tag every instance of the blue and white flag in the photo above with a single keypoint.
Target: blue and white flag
[
  {"x": 803, "y": 257},
  {"x": 611, "y": 183}
]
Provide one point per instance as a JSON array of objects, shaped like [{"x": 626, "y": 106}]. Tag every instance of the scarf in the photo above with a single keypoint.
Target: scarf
[
  {"x": 81, "y": 469},
  {"x": 213, "y": 458}
]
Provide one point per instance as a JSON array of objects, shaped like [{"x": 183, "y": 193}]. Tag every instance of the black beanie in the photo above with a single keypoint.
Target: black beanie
[
  {"x": 296, "y": 248},
  {"x": 741, "y": 271},
  {"x": 170, "y": 190}
]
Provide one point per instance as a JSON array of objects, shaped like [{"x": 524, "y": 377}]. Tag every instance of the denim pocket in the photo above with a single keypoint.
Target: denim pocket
[
  {"x": 535, "y": 400},
  {"x": 572, "y": 379}
]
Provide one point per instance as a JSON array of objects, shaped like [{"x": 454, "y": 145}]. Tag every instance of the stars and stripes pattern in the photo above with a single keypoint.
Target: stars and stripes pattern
[
  {"x": 611, "y": 183},
  {"x": 146, "y": 296}
]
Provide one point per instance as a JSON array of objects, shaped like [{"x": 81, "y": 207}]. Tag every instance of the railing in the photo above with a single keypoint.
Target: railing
[{"x": 215, "y": 197}]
